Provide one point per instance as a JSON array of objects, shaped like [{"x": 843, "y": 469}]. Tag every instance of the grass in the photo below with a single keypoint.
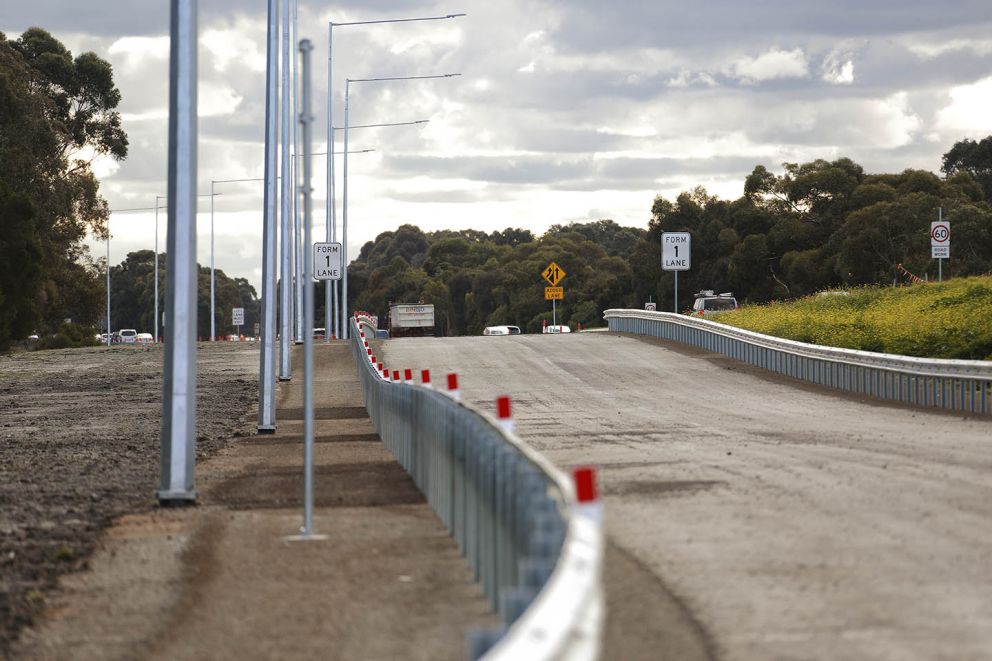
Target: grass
[{"x": 952, "y": 319}]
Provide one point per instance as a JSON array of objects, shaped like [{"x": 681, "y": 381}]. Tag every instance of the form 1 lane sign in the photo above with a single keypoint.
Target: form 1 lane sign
[
  {"x": 676, "y": 251},
  {"x": 327, "y": 261}
]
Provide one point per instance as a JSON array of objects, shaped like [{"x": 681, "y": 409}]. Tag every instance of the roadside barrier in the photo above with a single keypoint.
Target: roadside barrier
[
  {"x": 532, "y": 536},
  {"x": 957, "y": 385}
]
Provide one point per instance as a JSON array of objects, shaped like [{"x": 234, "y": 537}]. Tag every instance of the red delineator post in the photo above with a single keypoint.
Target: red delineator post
[
  {"x": 453, "y": 386},
  {"x": 585, "y": 484},
  {"x": 425, "y": 378},
  {"x": 408, "y": 375},
  {"x": 503, "y": 413}
]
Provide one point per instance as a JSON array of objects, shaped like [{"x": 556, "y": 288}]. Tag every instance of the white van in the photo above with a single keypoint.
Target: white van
[
  {"x": 125, "y": 336},
  {"x": 556, "y": 329}
]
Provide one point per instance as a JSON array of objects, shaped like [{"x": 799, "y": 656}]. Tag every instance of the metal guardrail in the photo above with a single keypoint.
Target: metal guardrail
[
  {"x": 957, "y": 385},
  {"x": 534, "y": 547}
]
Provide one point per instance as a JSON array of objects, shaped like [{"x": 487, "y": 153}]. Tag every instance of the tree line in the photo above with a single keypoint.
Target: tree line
[
  {"x": 815, "y": 226},
  {"x": 57, "y": 112},
  {"x": 811, "y": 226}
]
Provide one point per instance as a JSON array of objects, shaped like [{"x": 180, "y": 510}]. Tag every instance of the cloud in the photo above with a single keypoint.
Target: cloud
[
  {"x": 771, "y": 65},
  {"x": 968, "y": 110}
]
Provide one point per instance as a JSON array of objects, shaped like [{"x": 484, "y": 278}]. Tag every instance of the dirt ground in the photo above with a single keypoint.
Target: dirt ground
[{"x": 79, "y": 447}]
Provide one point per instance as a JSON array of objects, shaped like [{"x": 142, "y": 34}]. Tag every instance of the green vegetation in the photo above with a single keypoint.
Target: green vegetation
[
  {"x": 132, "y": 296},
  {"x": 476, "y": 279},
  {"x": 952, "y": 319},
  {"x": 57, "y": 112}
]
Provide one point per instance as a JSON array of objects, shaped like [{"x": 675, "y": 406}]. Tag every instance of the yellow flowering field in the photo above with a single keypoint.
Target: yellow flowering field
[{"x": 952, "y": 319}]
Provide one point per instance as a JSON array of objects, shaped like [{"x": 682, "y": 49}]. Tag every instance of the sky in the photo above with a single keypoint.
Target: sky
[{"x": 565, "y": 110}]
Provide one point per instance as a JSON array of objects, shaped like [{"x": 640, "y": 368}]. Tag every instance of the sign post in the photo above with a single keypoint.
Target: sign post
[
  {"x": 238, "y": 319},
  {"x": 940, "y": 242},
  {"x": 554, "y": 274},
  {"x": 676, "y": 255}
]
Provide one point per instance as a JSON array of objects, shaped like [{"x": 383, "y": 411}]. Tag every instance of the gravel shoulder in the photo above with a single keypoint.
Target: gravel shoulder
[
  {"x": 226, "y": 580},
  {"x": 79, "y": 447}
]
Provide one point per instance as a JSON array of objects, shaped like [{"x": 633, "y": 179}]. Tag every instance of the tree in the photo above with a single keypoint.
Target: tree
[
  {"x": 974, "y": 158},
  {"x": 57, "y": 113}
]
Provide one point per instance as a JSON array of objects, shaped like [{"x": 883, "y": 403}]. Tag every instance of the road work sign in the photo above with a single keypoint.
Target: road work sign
[
  {"x": 940, "y": 239},
  {"x": 237, "y": 316},
  {"x": 553, "y": 274},
  {"x": 554, "y": 293},
  {"x": 327, "y": 261},
  {"x": 676, "y": 253}
]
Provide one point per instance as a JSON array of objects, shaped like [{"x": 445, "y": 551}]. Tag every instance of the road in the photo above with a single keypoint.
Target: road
[{"x": 748, "y": 516}]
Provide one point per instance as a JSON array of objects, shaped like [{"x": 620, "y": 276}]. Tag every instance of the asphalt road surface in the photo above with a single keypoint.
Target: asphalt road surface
[{"x": 749, "y": 516}]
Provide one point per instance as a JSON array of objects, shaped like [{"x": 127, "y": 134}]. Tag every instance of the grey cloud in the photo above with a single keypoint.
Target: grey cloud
[{"x": 594, "y": 26}]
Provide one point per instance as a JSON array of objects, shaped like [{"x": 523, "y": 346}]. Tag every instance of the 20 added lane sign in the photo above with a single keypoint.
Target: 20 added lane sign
[{"x": 676, "y": 251}]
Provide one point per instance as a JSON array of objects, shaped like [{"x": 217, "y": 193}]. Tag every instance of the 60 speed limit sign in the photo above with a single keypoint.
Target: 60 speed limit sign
[{"x": 940, "y": 239}]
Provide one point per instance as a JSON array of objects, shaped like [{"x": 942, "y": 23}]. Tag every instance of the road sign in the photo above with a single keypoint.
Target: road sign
[
  {"x": 676, "y": 251},
  {"x": 651, "y": 307},
  {"x": 327, "y": 261},
  {"x": 553, "y": 274},
  {"x": 237, "y": 316},
  {"x": 554, "y": 293},
  {"x": 940, "y": 239}
]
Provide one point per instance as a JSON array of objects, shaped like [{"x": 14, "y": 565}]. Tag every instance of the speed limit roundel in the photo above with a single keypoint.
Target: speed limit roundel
[{"x": 940, "y": 233}]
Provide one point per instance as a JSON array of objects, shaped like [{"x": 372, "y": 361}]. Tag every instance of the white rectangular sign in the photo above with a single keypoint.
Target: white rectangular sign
[
  {"x": 327, "y": 261},
  {"x": 676, "y": 251},
  {"x": 237, "y": 316},
  {"x": 940, "y": 239}
]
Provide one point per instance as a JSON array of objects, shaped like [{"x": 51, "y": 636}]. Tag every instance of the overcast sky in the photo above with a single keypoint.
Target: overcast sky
[{"x": 566, "y": 110}]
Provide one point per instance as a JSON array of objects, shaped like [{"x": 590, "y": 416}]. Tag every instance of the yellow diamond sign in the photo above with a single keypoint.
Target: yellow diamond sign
[{"x": 553, "y": 274}]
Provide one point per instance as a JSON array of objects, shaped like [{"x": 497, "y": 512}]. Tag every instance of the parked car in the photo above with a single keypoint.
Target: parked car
[
  {"x": 125, "y": 336},
  {"x": 707, "y": 302},
  {"x": 556, "y": 329},
  {"x": 382, "y": 334},
  {"x": 501, "y": 330},
  {"x": 144, "y": 338},
  {"x": 319, "y": 333}
]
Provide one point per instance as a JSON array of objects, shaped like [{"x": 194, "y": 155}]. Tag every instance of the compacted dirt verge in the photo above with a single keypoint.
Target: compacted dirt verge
[{"x": 79, "y": 447}]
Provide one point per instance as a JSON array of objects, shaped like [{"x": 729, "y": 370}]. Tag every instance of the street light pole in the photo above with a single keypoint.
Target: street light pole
[
  {"x": 297, "y": 222},
  {"x": 267, "y": 355},
  {"x": 286, "y": 224},
  {"x": 330, "y": 292},
  {"x": 157, "y": 198},
  {"x": 344, "y": 202}
]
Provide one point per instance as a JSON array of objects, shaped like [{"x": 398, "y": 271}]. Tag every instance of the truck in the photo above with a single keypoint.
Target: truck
[{"x": 411, "y": 320}]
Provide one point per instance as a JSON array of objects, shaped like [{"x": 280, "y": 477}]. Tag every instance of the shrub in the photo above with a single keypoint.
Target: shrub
[{"x": 69, "y": 336}]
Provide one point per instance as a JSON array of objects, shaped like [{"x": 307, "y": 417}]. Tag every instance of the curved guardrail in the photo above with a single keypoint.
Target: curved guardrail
[
  {"x": 535, "y": 545},
  {"x": 958, "y": 385}
]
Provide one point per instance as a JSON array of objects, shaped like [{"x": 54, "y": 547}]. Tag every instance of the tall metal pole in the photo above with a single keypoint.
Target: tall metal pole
[
  {"x": 306, "y": 119},
  {"x": 108, "y": 282},
  {"x": 343, "y": 327},
  {"x": 330, "y": 231},
  {"x": 157, "y": 198},
  {"x": 213, "y": 314},
  {"x": 285, "y": 224},
  {"x": 179, "y": 382},
  {"x": 298, "y": 244},
  {"x": 267, "y": 359}
]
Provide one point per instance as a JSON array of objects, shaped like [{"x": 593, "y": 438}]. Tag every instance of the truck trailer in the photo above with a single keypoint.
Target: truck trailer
[{"x": 411, "y": 320}]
